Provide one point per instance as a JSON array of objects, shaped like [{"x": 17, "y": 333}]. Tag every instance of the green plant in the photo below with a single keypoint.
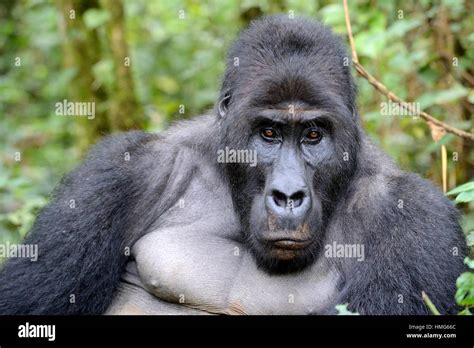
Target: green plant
[
  {"x": 342, "y": 310},
  {"x": 464, "y": 193},
  {"x": 465, "y": 292}
]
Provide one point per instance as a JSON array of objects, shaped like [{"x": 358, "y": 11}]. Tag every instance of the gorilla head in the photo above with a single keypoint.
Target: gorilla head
[{"x": 288, "y": 96}]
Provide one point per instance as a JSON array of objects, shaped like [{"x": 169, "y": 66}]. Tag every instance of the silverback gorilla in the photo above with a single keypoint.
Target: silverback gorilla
[{"x": 322, "y": 217}]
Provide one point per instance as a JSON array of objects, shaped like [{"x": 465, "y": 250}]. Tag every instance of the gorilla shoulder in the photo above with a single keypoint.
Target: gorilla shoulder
[
  {"x": 94, "y": 210},
  {"x": 403, "y": 221}
]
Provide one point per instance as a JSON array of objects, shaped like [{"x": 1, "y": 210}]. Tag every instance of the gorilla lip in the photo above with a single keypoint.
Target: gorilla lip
[
  {"x": 291, "y": 244},
  {"x": 287, "y": 249}
]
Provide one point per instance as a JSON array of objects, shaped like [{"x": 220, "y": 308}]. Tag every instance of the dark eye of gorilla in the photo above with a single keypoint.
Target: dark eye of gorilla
[
  {"x": 312, "y": 136},
  {"x": 269, "y": 134}
]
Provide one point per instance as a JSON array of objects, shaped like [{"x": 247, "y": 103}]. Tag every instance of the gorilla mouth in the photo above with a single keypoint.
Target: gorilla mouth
[
  {"x": 290, "y": 244},
  {"x": 286, "y": 249},
  {"x": 284, "y": 244}
]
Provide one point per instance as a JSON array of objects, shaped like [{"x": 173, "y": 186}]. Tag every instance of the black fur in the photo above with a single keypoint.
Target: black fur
[
  {"x": 410, "y": 231},
  {"x": 408, "y": 250}
]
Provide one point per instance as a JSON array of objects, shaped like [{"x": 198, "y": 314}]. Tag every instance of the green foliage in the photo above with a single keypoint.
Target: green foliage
[
  {"x": 442, "y": 97},
  {"x": 19, "y": 217},
  {"x": 94, "y": 18},
  {"x": 342, "y": 310},
  {"x": 465, "y": 193},
  {"x": 465, "y": 292}
]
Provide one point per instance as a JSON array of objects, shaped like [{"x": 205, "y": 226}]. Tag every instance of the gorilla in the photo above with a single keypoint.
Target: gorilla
[{"x": 163, "y": 223}]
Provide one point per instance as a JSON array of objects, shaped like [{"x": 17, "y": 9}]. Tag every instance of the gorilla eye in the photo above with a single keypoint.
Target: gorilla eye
[
  {"x": 313, "y": 136},
  {"x": 268, "y": 134}
]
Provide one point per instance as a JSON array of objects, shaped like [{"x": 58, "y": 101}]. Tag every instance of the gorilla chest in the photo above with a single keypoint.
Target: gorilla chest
[
  {"x": 218, "y": 275},
  {"x": 193, "y": 258}
]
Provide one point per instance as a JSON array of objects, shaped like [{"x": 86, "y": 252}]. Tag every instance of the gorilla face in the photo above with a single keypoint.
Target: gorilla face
[
  {"x": 306, "y": 157},
  {"x": 302, "y": 170},
  {"x": 291, "y": 100},
  {"x": 286, "y": 213}
]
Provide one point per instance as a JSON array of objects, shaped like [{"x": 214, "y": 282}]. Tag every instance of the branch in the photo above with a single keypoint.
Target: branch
[
  {"x": 355, "y": 59},
  {"x": 432, "y": 121}
]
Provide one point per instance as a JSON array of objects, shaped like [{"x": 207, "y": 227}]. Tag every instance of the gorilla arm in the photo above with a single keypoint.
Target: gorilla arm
[
  {"x": 412, "y": 238},
  {"x": 100, "y": 209}
]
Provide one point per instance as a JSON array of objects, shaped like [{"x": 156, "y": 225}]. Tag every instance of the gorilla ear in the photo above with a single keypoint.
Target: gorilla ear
[
  {"x": 224, "y": 104},
  {"x": 355, "y": 114}
]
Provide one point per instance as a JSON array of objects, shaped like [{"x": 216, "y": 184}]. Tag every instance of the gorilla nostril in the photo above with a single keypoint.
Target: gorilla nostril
[
  {"x": 279, "y": 198},
  {"x": 296, "y": 199},
  {"x": 292, "y": 202}
]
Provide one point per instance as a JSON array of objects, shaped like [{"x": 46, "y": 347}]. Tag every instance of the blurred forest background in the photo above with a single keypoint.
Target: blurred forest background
[{"x": 141, "y": 61}]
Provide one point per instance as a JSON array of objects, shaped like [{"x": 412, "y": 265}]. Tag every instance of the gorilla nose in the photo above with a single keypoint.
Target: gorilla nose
[
  {"x": 288, "y": 204},
  {"x": 283, "y": 201}
]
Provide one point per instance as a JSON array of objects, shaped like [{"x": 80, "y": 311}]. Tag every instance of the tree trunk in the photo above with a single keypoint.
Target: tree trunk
[
  {"x": 116, "y": 108},
  {"x": 81, "y": 49},
  {"x": 125, "y": 112}
]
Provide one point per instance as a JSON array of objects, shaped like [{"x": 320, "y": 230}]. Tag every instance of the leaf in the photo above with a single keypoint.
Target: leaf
[
  {"x": 455, "y": 6},
  {"x": 370, "y": 44},
  {"x": 103, "y": 72},
  {"x": 400, "y": 28},
  {"x": 470, "y": 239},
  {"x": 465, "y": 197},
  {"x": 3, "y": 181},
  {"x": 94, "y": 18},
  {"x": 342, "y": 310},
  {"x": 465, "y": 293},
  {"x": 167, "y": 84},
  {"x": 470, "y": 97},
  {"x": 469, "y": 263},
  {"x": 442, "y": 97},
  {"x": 332, "y": 14},
  {"x": 464, "y": 187},
  {"x": 465, "y": 311},
  {"x": 435, "y": 146}
]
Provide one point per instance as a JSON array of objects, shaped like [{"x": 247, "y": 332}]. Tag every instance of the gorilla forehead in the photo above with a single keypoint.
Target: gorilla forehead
[{"x": 288, "y": 59}]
